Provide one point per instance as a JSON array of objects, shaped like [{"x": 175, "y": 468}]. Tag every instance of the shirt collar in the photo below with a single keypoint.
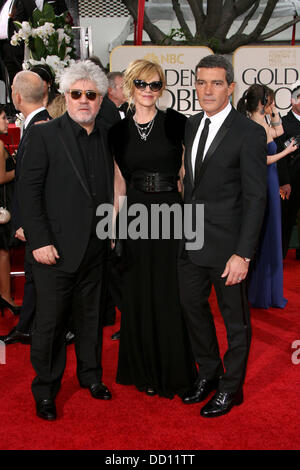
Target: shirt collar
[
  {"x": 219, "y": 117},
  {"x": 31, "y": 115},
  {"x": 296, "y": 115}
]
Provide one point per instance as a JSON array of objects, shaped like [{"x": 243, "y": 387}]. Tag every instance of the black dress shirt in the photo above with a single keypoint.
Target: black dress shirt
[{"x": 89, "y": 145}]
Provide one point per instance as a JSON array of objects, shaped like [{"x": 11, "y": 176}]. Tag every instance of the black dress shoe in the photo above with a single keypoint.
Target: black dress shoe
[
  {"x": 221, "y": 403},
  {"x": 46, "y": 409},
  {"x": 99, "y": 391},
  {"x": 116, "y": 335},
  {"x": 15, "y": 336},
  {"x": 200, "y": 391}
]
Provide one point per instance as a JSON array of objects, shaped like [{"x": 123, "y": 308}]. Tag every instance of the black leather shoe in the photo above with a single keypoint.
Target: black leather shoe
[
  {"x": 15, "y": 336},
  {"x": 200, "y": 391},
  {"x": 221, "y": 403},
  {"x": 70, "y": 338},
  {"x": 116, "y": 335},
  {"x": 46, "y": 409},
  {"x": 99, "y": 391}
]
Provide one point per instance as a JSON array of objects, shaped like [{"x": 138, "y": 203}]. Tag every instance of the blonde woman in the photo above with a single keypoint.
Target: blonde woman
[{"x": 154, "y": 352}]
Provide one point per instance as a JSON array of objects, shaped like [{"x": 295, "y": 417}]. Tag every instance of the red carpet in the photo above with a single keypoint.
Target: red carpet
[{"x": 268, "y": 419}]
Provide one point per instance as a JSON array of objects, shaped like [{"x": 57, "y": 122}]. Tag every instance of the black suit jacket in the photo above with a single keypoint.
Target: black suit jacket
[
  {"x": 58, "y": 5},
  {"x": 289, "y": 166},
  {"x": 232, "y": 187},
  {"x": 21, "y": 11},
  {"x": 55, "y": 200},
  {"x": 108, "y": 114},
  {"x": 16, "y": 214}
]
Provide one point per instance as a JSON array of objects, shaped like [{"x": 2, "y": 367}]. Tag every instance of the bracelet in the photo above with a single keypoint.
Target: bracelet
[{"x": 277, "y": 123}]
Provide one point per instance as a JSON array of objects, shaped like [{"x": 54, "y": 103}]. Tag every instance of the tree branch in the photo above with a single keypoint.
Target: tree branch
[
  {"x": 231, "y": 10},
  {"x": 279, "y": 29},
  {"x": 181, "y": 20},
  {"x": 248, "y": 18},
  {"x": 199, "y": 16},
  {"x": 213, "y": 17},
  {"x": 241, "y": 6},
  {"x": 271, "y": 4},
  {"x": 155, "y": 34}
]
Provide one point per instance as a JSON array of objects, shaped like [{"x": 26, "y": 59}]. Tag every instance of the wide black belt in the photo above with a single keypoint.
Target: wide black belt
[{"x": 153, "y": 182}]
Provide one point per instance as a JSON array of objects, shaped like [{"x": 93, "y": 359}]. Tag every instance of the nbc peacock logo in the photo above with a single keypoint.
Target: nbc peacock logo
[{"x": 152, "y": 57}]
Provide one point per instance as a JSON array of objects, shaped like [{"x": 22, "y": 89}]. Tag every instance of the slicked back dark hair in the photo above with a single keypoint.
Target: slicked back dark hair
[{"x": 217, "y": 61}]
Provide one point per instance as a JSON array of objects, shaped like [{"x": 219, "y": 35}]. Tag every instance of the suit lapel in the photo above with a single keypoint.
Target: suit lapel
[
  {"x": 68, "y": 143},
  {"x": 105, "y": 154},
  {"x": 194, "y": 127},
  {"x": 41, "y": 116},
  {"x": 215, "y": 143}
]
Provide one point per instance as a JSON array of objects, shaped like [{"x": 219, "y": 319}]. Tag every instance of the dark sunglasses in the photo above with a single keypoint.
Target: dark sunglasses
[
  {"x": 90, "y": 94},
  {"x": 142, "y": 85}
]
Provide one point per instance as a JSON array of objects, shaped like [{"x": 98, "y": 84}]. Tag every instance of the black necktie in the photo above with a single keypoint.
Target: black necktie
[{"x": 201, "y": 146}]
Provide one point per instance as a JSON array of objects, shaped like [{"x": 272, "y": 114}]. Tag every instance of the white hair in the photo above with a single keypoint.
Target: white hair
[{"x": 83, "y": 70}]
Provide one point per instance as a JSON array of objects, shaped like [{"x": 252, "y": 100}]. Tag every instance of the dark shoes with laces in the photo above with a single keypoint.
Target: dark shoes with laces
[
  {"x": 221, "y": 402},
  {"x": 201, "y": 389}
]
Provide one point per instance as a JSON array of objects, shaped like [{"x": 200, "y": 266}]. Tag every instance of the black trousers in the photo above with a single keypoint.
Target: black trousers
[
  {"x": 13, "y": 57},
  {"x": 29, "y": 300},
  {"x": 195, "y": 284},
  {"x": 59, "y": 295}
]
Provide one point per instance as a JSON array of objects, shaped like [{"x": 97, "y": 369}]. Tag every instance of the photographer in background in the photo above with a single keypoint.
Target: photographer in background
[{"x": 289, "y": 170}]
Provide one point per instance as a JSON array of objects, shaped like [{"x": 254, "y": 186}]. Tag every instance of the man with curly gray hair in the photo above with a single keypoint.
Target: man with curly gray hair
[{"x": 67, "y": 173}]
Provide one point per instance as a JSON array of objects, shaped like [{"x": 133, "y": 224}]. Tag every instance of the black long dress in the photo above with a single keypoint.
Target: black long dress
[
  {"x": 6, "y": 201},
  {"x": 154, "y": 346}
]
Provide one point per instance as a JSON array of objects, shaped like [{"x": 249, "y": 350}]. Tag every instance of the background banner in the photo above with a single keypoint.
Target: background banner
[{"x": 278, "y": 67}]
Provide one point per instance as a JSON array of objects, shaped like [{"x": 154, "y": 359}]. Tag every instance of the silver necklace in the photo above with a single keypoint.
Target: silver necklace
[{"x": 145, "y": 131}]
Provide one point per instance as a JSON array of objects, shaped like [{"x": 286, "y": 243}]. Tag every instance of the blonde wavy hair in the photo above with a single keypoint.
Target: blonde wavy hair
[{"x": 143, "y": 70}]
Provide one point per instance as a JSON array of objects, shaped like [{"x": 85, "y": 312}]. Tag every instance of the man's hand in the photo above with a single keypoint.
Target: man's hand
[
  {"x": 285, "y": 191},
  {"x": 20, "y": 234},
  {"x": 46, "y": 255},
  {"x": 236, "y": 270},
  {"x": 42, "y": 122}
]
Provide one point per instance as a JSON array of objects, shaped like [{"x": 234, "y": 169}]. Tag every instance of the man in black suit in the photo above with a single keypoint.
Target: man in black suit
[
  {"x": 225, "y": 171},
  {"x": 28, "y": 94},
  {"x": 112, "y": 109},
  {"x": 67, "y": 173},
  {"x": 13, "y": 10},
  {"x": 289, "y": 171}
]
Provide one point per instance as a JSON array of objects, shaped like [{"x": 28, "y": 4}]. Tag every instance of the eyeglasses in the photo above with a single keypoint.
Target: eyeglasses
[
  {"x": 142, "y": 85},
  {"x": 90, "y": 94}
]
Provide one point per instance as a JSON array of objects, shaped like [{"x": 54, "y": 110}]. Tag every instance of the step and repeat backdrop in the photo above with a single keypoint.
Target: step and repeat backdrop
[{"x": 274, "y": 66}]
